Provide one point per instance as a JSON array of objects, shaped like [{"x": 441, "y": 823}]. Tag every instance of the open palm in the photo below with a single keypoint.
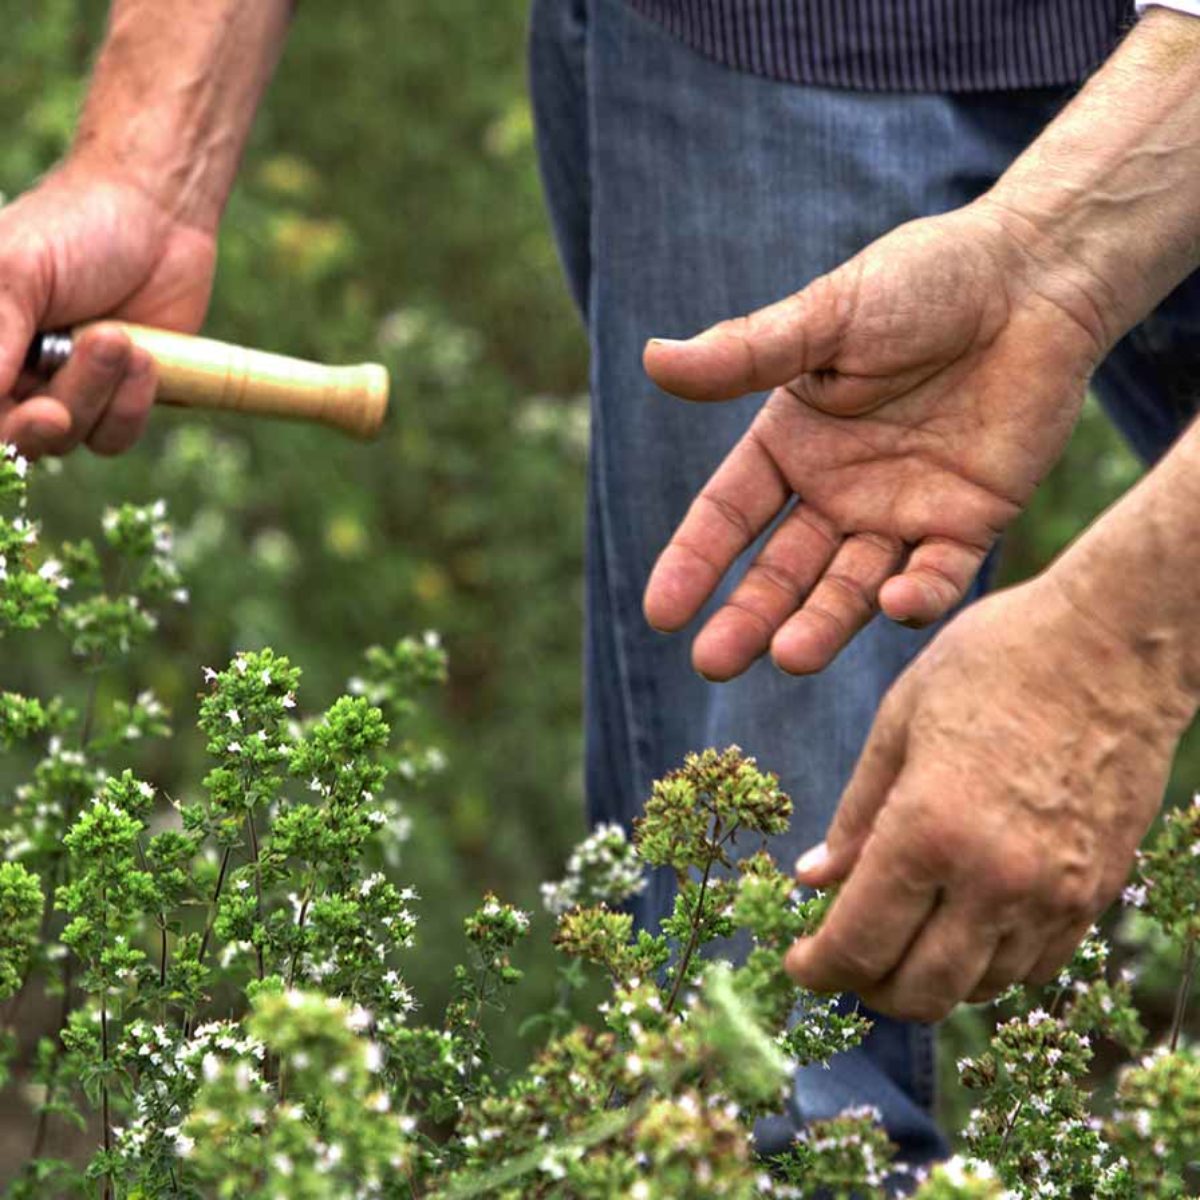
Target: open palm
[{"x": 922, "y": 391}]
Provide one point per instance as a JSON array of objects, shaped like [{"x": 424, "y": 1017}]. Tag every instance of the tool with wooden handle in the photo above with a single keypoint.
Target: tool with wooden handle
[{"x": 202, "y": 373}]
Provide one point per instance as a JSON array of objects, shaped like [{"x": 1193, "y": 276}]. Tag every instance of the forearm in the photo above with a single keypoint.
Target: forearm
[
  {"x": 174, "y": 93},
  {"x": 1136, "y": 572},
  {"x": 1107, "y": 199}
]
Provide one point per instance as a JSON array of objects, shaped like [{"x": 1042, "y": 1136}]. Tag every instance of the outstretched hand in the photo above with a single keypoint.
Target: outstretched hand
[{"x": 922, "y": 391}]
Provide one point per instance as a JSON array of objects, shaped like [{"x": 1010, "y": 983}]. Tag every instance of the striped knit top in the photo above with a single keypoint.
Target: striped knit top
[{"x": 902, "y": 45}]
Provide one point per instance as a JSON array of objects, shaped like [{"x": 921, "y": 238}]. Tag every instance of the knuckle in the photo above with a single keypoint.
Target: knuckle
[
  {"x": 1074, "y": 896},
  {"x": 826, "y": 615},
  {"x": 930, "y": 1012},
  {"x": 893, "y": 710},
  {"x": 1012, "y": 875},
  {"x": 1045, "y": 971},
  {"x": 741, "y": 330},
  {"x": 986, "y": 992},
  {"x": 746, "y": 604},
  {"x": 819, "y": 526},
  {"x": 923, "y": 1007},
  {"x": 930, "y": 844},
  {"x": 729, "y": 513},
  {"x": 110, "y": 447},
  {"x": 851, "y": 591},
  {"x": 849, "y": 961},
  {"x": 775, "y": 576}
]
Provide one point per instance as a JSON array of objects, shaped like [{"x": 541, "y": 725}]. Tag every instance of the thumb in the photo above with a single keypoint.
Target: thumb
[
  {"x": 18, "y": 324},
  {"x": 877, "y": 769},
  {"x": 764, "y": 350}
]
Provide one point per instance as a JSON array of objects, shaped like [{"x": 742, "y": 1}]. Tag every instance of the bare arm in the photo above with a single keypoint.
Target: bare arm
[
  {"x": 173, "y": 95},
  {"x": 1107, "y": 199},
  {"x": 962, "y": 345},
  {"x": 1014, "y": 768},
  {"x": 126, "y": 225}
]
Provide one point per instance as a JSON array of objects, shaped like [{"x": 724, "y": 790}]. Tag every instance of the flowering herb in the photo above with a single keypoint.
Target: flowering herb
[{"x": 229, "y": 968}]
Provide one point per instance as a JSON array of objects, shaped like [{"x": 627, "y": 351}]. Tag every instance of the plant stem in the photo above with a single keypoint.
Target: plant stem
[
  {"x": 1011, "y": 1125},
  {"x": 105, "y": 1114},
  {"x": 43, "y": 1124},
  {"x": 89, "y": 712},
  {"x": 258, "y": 896},
  {"x": 212, "y": 916},
  {"x": 208, "y": 924},
  {"x": 300, "y": 919},
  {"x": 1184, "y": 993},
  {"x": 685, "y": 960}
]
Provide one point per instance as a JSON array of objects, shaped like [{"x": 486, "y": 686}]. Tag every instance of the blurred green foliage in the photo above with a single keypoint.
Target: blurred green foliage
[{"x": 389, "y": 207}]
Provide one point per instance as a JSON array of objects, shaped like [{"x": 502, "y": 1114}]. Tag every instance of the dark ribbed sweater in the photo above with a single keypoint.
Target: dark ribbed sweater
[{"x": 902, "y": 45}]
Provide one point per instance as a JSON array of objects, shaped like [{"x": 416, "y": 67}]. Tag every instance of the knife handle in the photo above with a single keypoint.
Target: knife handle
[{"x": 200, "y": 372}]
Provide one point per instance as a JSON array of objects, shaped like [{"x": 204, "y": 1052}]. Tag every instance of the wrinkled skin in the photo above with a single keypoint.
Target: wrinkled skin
[
  {"x": 89, "y": 243},
  {"x": 996, "y": 809},
  {"x": 964, "y": 362}
]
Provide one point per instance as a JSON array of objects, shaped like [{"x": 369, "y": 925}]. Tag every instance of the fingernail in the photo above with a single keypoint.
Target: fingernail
[
  {"x": 668, "y": 341},
  {"x": 810, "y": 860},
  {"x": 43, "y": 432}
]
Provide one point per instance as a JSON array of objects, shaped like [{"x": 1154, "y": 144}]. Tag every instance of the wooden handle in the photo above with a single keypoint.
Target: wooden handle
[{"x": 203, "y": 373}]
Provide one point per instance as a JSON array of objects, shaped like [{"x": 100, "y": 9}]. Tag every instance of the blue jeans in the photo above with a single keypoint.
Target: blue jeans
[{"x": 682, "y": 192}]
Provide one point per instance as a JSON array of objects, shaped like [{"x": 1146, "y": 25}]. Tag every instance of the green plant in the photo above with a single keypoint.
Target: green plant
[{"x": 229, "y": 966}]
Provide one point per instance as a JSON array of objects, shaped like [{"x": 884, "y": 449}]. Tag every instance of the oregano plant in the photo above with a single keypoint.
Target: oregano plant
[{"x": 229, "y": 968}]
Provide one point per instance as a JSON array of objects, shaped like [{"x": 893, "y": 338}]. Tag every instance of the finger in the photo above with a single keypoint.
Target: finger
[
  {"x": 42, "y": 422},
  {"x": 776, "y": 582},
  {"x": 736, "y": 505},
  {"x": 82, "y": 389},
  {"x": 17, "y": 327},
  {"x": 943, "y": 965},
  {"x": 1059, "y": 951},
  {"x": 935, "y": 579},
  {"x": 122, "y": 422},
  {"x": 875, "y": 773},
  {"x": 880, "y": 909},
  {"x": 1016, "y": 955},
  {"x": 751, "y": 354},
  {"x": 842, "y": 602}
]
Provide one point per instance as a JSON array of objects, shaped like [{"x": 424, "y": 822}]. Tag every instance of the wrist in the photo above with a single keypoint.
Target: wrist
[
  {"x": 167, "y": 189},
  {"x": 1132, "y": 576},
  {"x": 1104, "y": 203},
  {"x": 1138, "y": 667},
  {"x": 173, "y": 95}
]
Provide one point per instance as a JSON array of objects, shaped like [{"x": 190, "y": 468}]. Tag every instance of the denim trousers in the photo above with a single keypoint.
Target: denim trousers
[{"x": 682, "y": 192}]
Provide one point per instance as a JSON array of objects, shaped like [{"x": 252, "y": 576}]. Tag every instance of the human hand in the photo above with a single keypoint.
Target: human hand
[
  {"x": 923, "y": 390},
  {"x": 84, "y": 244},
  {"x": 995, "y": 811}
]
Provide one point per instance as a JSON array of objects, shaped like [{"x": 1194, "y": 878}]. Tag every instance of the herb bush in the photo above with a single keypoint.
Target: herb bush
[{"x": 229, "y": 969}]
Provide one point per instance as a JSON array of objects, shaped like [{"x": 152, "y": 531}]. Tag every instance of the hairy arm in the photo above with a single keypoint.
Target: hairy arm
[
  {"x": 126, "y": 225},
  {"x": 173, "y": 95},
  {"x": 1107, "y": 199}
]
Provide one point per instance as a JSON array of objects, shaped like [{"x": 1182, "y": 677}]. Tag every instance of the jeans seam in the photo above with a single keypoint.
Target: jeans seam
[{"x": 923, "y": 1042}]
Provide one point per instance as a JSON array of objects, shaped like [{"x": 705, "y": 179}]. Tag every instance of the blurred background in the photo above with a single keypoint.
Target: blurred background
[{"x": 389, "y": 208}]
